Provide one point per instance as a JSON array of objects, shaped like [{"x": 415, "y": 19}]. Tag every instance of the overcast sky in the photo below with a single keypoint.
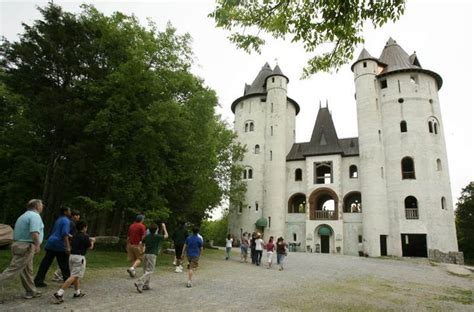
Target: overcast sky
[{"x": 441, "y": 32}]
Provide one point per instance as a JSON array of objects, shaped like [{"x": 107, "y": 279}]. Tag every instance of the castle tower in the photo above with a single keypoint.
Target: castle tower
[
  {"x": 404, "y": 172},
  {"x": 265, "y": 123}
]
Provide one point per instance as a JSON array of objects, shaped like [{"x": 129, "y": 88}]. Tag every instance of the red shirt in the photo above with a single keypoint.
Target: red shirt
[
  {"x": 136, "y": 232},
  {"x": 270, "y": 247}
]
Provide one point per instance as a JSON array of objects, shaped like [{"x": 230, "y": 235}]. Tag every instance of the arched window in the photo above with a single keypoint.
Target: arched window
[
  {"x": 245, "y": 174},
  {"x": 411, "y": 207},
  {"x": 257, "y": 149},
  {"x": 443, "y": 203},
  {"x": 433, "y": 125},
  {"x": 271, "y": 155},
  {"x": 430, "y": 126},
  {"x": 246, "y": 127},
  {"x": 352, "y": 203},
  {"x": 353, "y": 173},
  {"x": 240, "y": 207},
  {"x": 403, "y": 126},
  {"x": 250, "y": 174},
  {"x": 251, "y": 127},
  {"x": 438, "y": 165},
  {"x": 408, "y": 168},
  {"x": 298, "y": 175},
  {"x": 297, "y": 203}
]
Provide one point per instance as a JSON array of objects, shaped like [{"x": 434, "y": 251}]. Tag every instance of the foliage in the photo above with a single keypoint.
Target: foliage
[
  {"x": 465, "y": 222},
  {"x": 216, "y": 230},
  {"x": 103, "y": 114},
  {"x": 336, "y": 24}
]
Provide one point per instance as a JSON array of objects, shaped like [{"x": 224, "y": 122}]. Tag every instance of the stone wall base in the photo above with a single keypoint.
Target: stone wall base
[{"x": 450, "y": 257}]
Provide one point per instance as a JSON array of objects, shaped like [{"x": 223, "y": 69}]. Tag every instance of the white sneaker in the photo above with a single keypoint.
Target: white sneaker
[{"x": 178, "y": 270}]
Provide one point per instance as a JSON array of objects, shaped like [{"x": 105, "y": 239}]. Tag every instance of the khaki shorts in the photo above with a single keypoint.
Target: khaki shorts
[
  {"x": 134, "y": 252},
  {"x": 77, "y": 265},
  {"x": 193, "y": 262}
]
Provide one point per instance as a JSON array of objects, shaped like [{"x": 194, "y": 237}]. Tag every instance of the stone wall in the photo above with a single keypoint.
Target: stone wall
[{"x": 450, "y": 257}]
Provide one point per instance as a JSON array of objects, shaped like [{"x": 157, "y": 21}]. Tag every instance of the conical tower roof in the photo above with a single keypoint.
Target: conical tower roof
[
  {"x": 259, "y": 81},
  {"x": 363, "y": 56},
  {"x": 395, "y": 57},
  {"x": 324, "y": 139}
]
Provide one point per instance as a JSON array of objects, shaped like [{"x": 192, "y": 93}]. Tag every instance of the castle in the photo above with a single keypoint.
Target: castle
[{"x": 386, "y": 192}]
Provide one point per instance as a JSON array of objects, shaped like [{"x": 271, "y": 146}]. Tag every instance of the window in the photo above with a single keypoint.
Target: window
[
  {"x": 297, "y": 203},
  {"x": 414, "y": 79},
  {"x": 273, "y": 79},
  {"x": 408, "y": 168},
  {"x": 360, "y": 239},
  {"x": 298, "y": 175},
  {"x": 411, "y": 208},
  {"x": 352, "y": 203},
  {"x": 438, "y": 164},
  {"x": 251, "y": 126},
  {"x": 250, "y": 174},
  {"x": 433, "y": 125},
  {"x": 271, "y": 155},
  {"x": 383, "y": 84},
  {"x": 271, "y": 107},
  {"x": 443, "y": 203},
  {"x": 256, "y": 206},
  {"x": 257, "y": 149},
  {"x": 323, "y": 173},
  {"x": 353, "y": 174},
  {"x": 399, "y": 91},
  {"x": 403, "y": 126},
  {"x": 401, "y": 100},
  {"x": 246, "y": 127},
  {"x": 269, "y": 222},
  {"x": 365, "y": 64},
  {"x": 271, "y": 130},
  {"x": 245, "y": 174},
  {"x": 240, "y": 207},
  {"x": 294, "y": 237}
]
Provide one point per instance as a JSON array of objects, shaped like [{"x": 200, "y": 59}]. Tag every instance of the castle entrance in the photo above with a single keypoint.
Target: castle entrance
[
  {"x": 325, "y": 234},
  {"x": 414, "y": 245},
  {"x": 324, "y": 244}
]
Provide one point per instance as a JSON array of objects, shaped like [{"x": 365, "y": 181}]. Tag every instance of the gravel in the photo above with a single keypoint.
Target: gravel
[{"x": 309, "y": 282}]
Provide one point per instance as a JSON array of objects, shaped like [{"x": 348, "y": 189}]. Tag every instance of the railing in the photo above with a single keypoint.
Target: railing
[
  {"x": 411, "y": 213},
  {"x": 324, "y": 215},
  {"x": 408, "y": 174}
]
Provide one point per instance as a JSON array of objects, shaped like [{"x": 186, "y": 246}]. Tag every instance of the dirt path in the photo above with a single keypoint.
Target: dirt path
[{"x": 310, "y": 282}]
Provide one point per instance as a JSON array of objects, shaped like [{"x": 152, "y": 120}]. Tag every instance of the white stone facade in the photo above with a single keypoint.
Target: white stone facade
[{"x": 386, "y": 192}]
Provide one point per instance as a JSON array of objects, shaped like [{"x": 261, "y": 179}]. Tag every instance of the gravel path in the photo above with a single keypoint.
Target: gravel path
[{"x": 311, "y": 282}]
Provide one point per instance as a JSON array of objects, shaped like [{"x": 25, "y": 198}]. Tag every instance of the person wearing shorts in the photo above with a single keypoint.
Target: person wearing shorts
[
  {"x": 192, "y": 249},
  {"x": 136, "y": 233},
  {"x": 77, "y": 262},
  {"x": 179, "y": 237},
  {"x": 270, "y": 250}
]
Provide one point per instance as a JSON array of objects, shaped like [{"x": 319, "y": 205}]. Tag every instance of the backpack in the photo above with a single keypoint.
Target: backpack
[{"x": 6, "y": 235}]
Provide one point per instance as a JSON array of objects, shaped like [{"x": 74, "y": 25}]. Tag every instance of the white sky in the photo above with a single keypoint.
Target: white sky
[{"x": 441, "y": 32}]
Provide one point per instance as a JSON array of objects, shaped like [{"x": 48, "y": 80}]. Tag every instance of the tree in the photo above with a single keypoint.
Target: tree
[
  {"x": 104, "y": 115},
  {"x": 465, "y": 221},
  {"x": 316, "y": 24}
]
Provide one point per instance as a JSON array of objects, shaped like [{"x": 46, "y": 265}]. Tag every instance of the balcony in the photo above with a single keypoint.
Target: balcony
[
  {"x": 411, "y": 213},
  {"x": 323, "y": 215}
]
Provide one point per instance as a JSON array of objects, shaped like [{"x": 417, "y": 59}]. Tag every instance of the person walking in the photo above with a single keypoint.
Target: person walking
[
  {"x": 27, "y": 238},
  {"x": 270, "y": 249},
  {"x": 193, "y": 248},
  {"x": 135, "y": 235},
  {"x": 282, "y": 251},
  {"x": 228, "y": 246},
  {"x": 58, "y": 246},
  {"x": 75, "y": 217},
  {"x": 244, "y": 247},
  {"x": 152, "y": 247},
  {"x": 258, "y": 249},
  {"x": 252, "y": 248},
  {"x": 179, "y": 237},
  {"x": 80, "y": 243}
]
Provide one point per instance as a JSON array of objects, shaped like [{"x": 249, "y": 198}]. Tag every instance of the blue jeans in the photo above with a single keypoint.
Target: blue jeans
[{"x": 227, "y": 252}]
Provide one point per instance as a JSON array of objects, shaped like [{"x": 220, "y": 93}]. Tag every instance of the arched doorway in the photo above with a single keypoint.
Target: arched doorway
[
  {"x": 323, "y": 204},
  {"x": 325, "y": 235}
]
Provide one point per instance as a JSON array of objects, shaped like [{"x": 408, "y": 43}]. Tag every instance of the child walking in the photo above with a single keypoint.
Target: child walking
[
  {"x": 281, "y": 252},
  {"x": 270, "y": 250},
  {"x": 228, "y": 246},
  {"x": 244, "y": 247},
  {"x": 192, "y": 249},
  {"x": 152, "y": 246},
  {"x": 77, "y": 262}
]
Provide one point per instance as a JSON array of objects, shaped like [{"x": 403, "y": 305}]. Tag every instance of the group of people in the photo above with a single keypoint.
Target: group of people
[
  {"x": 257, "y": 245},
  {"x": 68, "y": 243},
  {"x": 143, "y": 245}
]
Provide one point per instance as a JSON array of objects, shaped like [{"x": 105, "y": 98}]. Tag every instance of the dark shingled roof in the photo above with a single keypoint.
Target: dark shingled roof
[
  {"x": 324, "y": 140},
  {"x": 257, "y": 88},
  {"x": 364, "y": 55},
  {"x": 394, "y": 59}
]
